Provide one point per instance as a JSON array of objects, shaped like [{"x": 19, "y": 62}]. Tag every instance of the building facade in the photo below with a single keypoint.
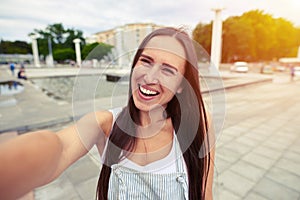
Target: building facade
[{"x": 125, "y": 40}]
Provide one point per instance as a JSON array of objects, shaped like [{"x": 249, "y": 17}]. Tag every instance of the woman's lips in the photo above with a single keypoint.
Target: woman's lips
[{"x": 147, "y": 93}]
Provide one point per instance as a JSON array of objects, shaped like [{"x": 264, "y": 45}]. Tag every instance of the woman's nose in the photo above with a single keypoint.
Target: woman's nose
[{"x": 152, "y": 74}]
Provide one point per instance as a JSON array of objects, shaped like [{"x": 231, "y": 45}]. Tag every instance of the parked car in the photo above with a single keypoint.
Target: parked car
[
  {"x": 239, "y": 67},
  {"x": 297, "y": 70},
  {"x": 279, "y": 68},
  {"x": 266, "y": 69}
]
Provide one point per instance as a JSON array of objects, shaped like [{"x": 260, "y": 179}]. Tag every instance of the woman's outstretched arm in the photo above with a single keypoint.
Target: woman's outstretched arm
[
  {"x": 35, "y": 159},
  {"x": 28, "y": 161}
]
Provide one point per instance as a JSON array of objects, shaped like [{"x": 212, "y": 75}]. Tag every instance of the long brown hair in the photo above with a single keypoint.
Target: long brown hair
[{"x": 188, "y": 119}]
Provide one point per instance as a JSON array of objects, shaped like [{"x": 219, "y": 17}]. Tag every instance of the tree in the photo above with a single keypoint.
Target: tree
[
  {"x": 287, "y": 36},
  {"x": 60, "y": 37},
  {"x": 202, "y": 34},
  {"x": 96, "y": 51},
  {"x": 16, "y": 47},
  {"x": 63, "y": 54},
  {"x": 72, "y": 34},
  {"x": 238, "y": 40},
  {"x": 253, "y": 36}
]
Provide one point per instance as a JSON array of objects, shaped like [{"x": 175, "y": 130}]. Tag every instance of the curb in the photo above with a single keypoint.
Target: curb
[
  {"x": 41, "y": 125},
  {"x": 237, "y": 85}
]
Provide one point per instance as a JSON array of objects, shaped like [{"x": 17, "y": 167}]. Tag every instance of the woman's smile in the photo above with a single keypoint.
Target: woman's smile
[{"x": 147, "y": 93}]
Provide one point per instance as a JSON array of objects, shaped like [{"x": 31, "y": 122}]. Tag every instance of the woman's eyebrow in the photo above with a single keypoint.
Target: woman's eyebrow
[
  {"x": 163, "y": 64},
  {"x": 168, "y": 65},
  {"x": 148, "y": 57}
]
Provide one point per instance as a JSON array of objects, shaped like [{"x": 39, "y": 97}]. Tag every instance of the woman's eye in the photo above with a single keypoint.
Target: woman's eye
[
  {"x": 169, "y": 71},
  {"x": 145, "y": 61}
]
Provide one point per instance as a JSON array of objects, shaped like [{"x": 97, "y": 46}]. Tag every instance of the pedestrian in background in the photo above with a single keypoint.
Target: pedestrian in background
[
  {"x": 12, "y": 68},
  {"x": 292, "y": 69},
  {"x": 22, "y": 74}
]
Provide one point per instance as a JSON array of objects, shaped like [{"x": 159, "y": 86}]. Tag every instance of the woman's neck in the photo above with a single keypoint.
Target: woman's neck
[{"x": 152, "y": 122}]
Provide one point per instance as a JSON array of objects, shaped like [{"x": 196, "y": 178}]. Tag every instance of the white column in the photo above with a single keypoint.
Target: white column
[
  {"x": 119, "y": 46},
  {"x": 49, "y": 58},
  {"x": 35, "y": 51},
  {"x": 216, "y": 42},
  {"x": 148, "y": 29},
  {"x": 77, "y": 51}
]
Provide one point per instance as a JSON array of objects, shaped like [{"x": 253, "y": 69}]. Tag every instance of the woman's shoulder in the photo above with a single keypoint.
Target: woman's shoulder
[{"x": 106, "y": 118}]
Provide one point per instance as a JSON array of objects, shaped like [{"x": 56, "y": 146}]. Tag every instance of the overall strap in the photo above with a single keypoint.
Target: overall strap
[{"x": 178, "y": 156}]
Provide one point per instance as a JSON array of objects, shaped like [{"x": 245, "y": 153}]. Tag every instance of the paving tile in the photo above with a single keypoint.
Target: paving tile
[
  {"x": 61, "y": 188},
  {"x": 289, "y": 165},
  {"x": 259, "y": 133},
  {"x": 268, "y": 152},
  {"x": 234, "y": 131},
  {"x": 253, "y": 134},
  {"x": 247, "y": 141},
  {"x": 284, "y": 177},
  {"x": 228, "y": 154},
  {"x": 258, "y": 160},
  {"x": 248, "y": 170},
  {"x": 83, "y": 171},
  {"x": 275, "y": 191},
  {"x": 292, "y": 156},
  {"x": 284, "y": 140},
  {"x": 221, "y": 165},
  {"x": 295, "y": 147},
  {"x": 255, "y": 196},
  {"x": 223, "y": 139},
  {"x": 87, "y": 189},
  {"x": 272, "y": 143},
  {"x": 287, "y": 134},
  {"x": 225, "y": 195},
  {"x": 238, "y": 147},
  {"x": 266, "y": 129},
  {"x": 236, "y": 183},
  {"x": 274, "y": 123},
  {"x": 288, "y": 129}
]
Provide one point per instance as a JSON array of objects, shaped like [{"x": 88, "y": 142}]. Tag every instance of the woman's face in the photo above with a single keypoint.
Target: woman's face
[{"x": 158, "y": 74}]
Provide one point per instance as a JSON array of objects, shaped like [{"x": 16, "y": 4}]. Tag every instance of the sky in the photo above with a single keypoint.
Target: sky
[{"x": 19, "y": 17}]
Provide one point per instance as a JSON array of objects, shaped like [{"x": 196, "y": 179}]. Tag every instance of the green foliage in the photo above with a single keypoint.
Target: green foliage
[
  {"x": 61, "y": 55},
  {"x": 17, "y": 47},
  {"x": 96, "y": 51},
  {"x": 253, "y": 36},
  {"x": 60, "y": 37},
  {"x": 202, "y": 34}
]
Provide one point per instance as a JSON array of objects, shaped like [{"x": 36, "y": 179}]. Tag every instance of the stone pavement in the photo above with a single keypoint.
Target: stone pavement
[
  {"x": 257, "y": 154},
  {"x": 30, "y": 108}
]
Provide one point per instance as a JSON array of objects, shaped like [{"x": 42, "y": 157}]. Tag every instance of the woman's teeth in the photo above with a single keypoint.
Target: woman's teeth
[{"x": 148, "y": 92}]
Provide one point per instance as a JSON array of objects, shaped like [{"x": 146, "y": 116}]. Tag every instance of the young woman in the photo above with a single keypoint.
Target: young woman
[{"x": 157, "y": 147}]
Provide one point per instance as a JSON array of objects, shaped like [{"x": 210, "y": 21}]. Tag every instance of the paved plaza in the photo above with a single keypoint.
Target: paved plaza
[{"x": 257, "y": 151}]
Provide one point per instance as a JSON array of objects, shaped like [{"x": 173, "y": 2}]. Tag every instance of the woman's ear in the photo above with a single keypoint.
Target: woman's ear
[{"x": 179, "y": 90}]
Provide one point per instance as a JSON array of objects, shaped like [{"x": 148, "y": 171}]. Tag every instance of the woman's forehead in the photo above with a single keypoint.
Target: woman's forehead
[{"x": 167, "y": 43}]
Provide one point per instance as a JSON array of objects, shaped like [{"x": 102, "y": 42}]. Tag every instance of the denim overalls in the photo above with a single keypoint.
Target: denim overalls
[{"x": 129, "y": 184}]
